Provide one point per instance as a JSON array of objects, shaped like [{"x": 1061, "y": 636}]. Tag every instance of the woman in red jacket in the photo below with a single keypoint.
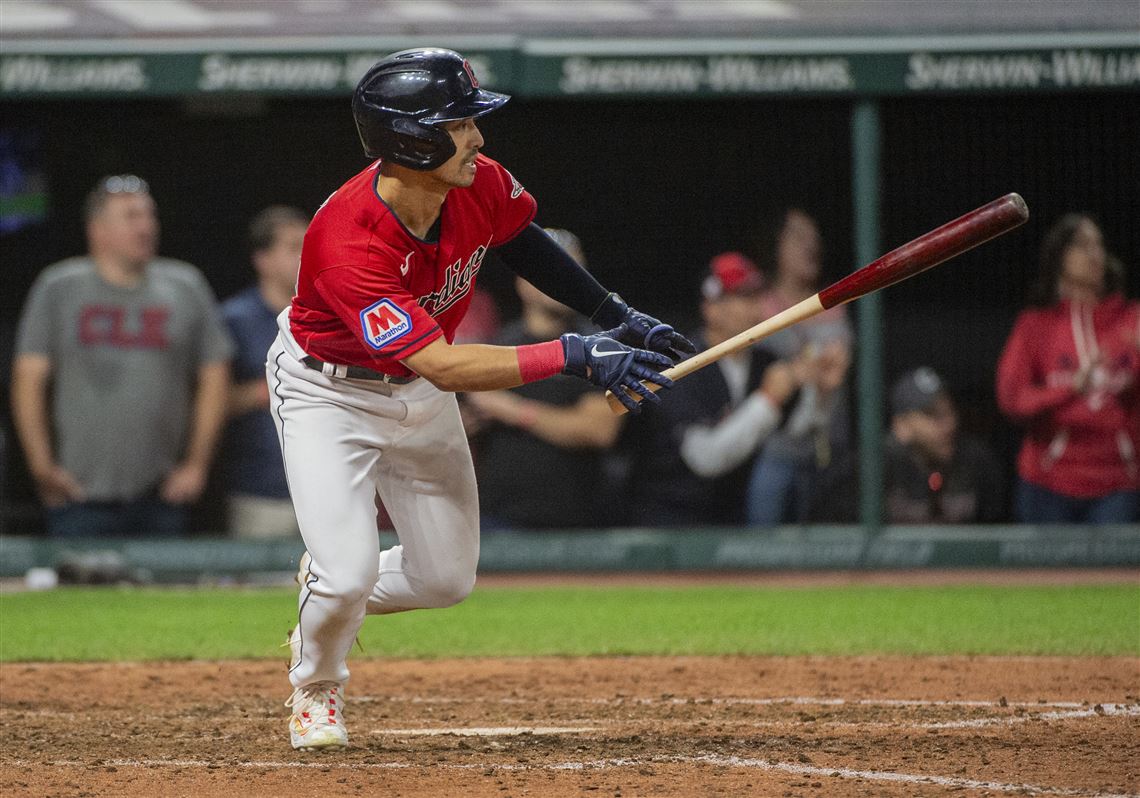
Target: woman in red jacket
[{"x": 1070, "y": 374}]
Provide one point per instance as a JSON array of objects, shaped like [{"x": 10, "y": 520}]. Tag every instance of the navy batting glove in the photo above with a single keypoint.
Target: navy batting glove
[
  {"x": 642, "y": 329},
  {"x": 610, "y": 364}
]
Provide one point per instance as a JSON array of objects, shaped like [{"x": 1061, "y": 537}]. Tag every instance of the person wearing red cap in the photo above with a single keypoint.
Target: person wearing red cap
[{"x": 696, "y": 450}]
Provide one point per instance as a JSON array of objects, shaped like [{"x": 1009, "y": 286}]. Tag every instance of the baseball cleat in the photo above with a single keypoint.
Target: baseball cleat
[{"x": 317, "y": 723}]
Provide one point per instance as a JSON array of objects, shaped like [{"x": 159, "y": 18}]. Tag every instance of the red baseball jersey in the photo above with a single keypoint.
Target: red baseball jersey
[{"x": 370, "y": 292}]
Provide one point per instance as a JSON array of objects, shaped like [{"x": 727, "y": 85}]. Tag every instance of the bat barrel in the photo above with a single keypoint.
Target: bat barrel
[{"x": 926, "y": 251}]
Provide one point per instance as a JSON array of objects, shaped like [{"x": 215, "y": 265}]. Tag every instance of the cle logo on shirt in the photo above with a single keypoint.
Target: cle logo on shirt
[{"x": 384, "y": 322}]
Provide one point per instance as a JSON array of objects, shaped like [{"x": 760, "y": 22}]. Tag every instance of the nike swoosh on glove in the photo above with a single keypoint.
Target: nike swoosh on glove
[
  {"x": 610, "y": 364},
  {"x": 642, "y": 329}
]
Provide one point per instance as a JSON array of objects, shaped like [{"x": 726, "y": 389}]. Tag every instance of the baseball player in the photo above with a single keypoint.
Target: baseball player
[{"x": 363, "y": 370}]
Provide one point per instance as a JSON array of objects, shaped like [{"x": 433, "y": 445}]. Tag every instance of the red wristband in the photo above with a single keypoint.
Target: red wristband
[{"x": 539, "y": 361}]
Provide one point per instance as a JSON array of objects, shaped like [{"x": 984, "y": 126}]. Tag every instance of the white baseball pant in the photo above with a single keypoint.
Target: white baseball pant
[{"x": 344, "y": 441}]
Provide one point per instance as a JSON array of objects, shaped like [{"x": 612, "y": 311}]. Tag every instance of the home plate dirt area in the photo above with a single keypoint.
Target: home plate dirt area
[{"x": 619, "y": 726}]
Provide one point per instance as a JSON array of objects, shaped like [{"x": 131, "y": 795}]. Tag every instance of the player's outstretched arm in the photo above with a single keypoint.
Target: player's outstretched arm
[
  {"x": 641, "y": 328},
  {"x": 538, "y": 259},
  {"x": 466, "y": 367},
  {"x": 600, "y": 359}
]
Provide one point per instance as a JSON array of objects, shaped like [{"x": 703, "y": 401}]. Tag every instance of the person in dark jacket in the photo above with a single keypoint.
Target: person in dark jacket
[
  {"x": 696, "y": 450},
  {"x": 934, "y": 474}
]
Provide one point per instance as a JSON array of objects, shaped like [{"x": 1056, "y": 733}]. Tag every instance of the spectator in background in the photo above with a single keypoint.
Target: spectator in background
[
  {"x": 259, "y": 503},
  {"x": 934, "y": 475},
  {"x": 120, "y": 377},
  {"x": 931, "y": 474},
  {"x": 696, "y": 448},
  {"x": 784, "y": 482},
  {"x": 539, "y": 447},
  {"x": 1070, "y": 373}
]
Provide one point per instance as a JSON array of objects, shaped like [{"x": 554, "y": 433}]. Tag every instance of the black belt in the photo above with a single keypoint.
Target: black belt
[{"x": 355, "y": 372}]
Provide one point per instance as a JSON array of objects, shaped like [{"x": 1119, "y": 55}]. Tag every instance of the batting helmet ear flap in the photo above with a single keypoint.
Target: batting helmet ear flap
[
  {"x": 425, "y": 144},
  {"x": 408, "y": 143}
]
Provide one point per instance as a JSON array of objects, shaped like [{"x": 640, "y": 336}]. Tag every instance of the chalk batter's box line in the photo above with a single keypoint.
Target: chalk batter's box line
[
  {"x": 599, "y": 724},
  {"x": 697, "y": 700},
  {"x": 714, "y": 760}
]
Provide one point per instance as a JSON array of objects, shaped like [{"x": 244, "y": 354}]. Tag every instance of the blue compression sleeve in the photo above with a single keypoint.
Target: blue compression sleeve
[{"x": 535, "y": 257}]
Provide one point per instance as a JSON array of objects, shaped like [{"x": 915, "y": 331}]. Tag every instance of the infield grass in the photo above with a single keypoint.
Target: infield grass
[{"x": 140, "y": 624}]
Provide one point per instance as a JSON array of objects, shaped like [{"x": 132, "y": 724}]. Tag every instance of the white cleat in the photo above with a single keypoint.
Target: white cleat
[{"x": 317, "y": 723}]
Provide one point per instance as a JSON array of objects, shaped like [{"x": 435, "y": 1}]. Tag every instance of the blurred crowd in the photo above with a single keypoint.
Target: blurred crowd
[{"x": 133, "y": 389}]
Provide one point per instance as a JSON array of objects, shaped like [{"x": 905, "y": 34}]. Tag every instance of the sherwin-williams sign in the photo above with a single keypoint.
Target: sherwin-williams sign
[
  {"x": 919, "y": 71},
  {"x": 559, "y": 71},
  {"x": 168, "y": 74}
]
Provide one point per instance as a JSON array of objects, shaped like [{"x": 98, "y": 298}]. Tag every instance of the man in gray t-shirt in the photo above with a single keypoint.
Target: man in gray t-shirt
[{"x": 120, "y": 378}]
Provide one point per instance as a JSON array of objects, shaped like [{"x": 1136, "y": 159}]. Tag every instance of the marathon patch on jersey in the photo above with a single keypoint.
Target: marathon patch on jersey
[{"x": 384, "y": 322}]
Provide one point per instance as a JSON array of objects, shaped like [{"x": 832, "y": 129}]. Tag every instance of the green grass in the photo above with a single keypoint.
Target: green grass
[{"x": 125, "y": 624}]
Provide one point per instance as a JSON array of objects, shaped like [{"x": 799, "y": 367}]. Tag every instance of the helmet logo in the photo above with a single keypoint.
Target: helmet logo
[{"x": 470, "y": 73}]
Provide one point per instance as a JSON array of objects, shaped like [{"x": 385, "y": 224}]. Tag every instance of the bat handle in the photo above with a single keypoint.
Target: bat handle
[
  {"x": 618, "y": 407},
  {"x": 737, "y": 343}
]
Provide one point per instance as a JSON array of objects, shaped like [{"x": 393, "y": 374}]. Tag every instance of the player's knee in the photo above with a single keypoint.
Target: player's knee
[
  {"x": 448, "y": 589},
  {"x": 349, "y": 587}
]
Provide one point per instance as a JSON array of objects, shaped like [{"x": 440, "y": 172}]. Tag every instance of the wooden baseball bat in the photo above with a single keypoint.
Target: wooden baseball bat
[{"x": 926, "y": 251}]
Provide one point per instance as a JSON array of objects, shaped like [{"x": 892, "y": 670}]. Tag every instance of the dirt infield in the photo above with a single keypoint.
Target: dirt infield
[{"x": 644, "y": 726}]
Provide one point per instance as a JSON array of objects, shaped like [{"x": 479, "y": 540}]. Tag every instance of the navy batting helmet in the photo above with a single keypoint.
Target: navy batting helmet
[{"x": 402, "y": 98}]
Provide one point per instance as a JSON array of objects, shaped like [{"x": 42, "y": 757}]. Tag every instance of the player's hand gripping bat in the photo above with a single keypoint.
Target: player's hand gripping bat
[{"x": 928, "y": 250}]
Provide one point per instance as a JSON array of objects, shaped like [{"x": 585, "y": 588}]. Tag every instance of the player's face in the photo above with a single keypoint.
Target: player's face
[
  {"x": 459, "y": 171},
  {"x": 127, "y": 228},
  {"x": 280, "y": 262}
]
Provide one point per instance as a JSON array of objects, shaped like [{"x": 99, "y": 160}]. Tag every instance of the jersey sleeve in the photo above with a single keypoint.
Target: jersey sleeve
[
  {"x": 384, "y": 317},
  {"x": 513, "y": 208}
]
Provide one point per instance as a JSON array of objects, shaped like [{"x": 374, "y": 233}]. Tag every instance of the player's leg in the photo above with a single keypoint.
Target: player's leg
[
  {"x": 331, "y": 448},
  {"x": 427, "y": 483}
]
